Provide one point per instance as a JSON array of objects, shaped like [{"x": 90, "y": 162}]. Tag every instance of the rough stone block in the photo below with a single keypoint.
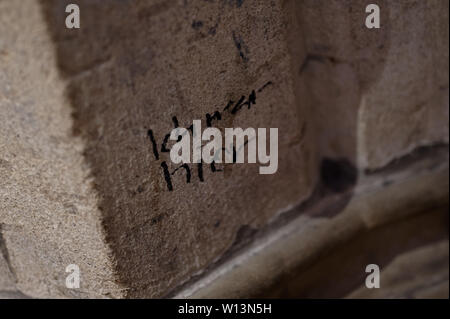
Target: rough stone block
[{"x": 87, "y": 111}]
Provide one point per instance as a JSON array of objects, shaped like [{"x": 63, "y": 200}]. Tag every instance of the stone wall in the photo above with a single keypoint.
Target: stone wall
[{"x": 362, "y": 116}]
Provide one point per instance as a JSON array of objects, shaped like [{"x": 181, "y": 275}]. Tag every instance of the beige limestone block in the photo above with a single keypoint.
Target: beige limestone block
[
  {"x": 48, "y": 213},
  {"x": 6, "y": 277},
  {"x": 80, "y": 180}
]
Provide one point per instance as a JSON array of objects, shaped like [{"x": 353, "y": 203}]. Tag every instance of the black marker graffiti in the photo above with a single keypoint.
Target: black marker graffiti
[{"x": 231, "y": 108}]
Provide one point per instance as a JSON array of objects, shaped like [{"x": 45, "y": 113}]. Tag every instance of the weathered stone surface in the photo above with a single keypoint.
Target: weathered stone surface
[
  {"x": 407, "y": 107},
  {"x": 421, "y": 273},
  {"x": 6, "y": 276},
  {"x": 80, "y": 181},
  {"x": 146, "y": 62},
  {"x": 376, "y": 94},
  {"x": 48, "y": 208},
  {"x": 383, "y": 246},
  {"x": 326, "y": 257}
]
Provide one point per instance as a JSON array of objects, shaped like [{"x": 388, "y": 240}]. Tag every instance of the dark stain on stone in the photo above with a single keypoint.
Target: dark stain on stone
[
  {"x": 338, "y": 175},
  {"x": 5, "y": 166},
  {"x": 240, "y": 45}
]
